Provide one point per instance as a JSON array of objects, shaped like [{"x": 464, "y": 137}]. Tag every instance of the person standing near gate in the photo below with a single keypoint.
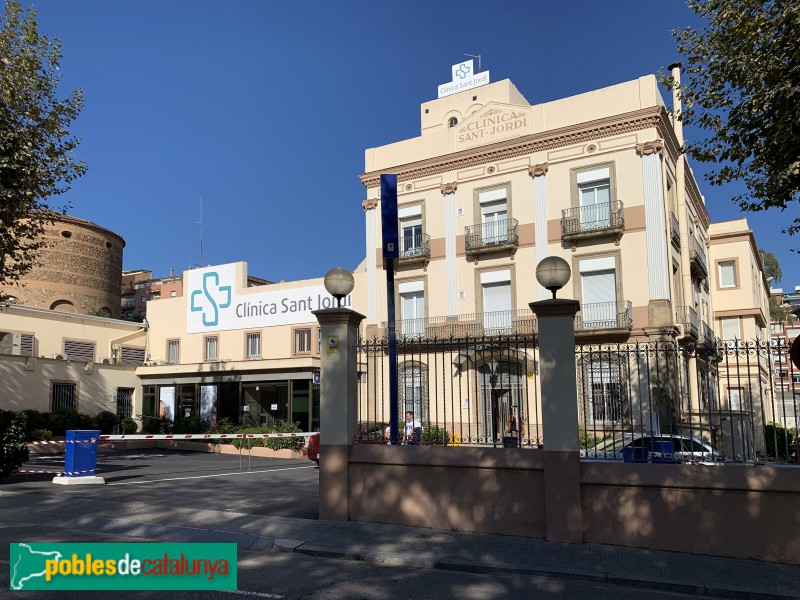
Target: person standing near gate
[
  {"x": 412, "y": 434},
  {"x": 511, "y": 436}
]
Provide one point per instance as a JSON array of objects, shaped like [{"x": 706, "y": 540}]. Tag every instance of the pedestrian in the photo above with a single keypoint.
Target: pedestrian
[
  {"x": 511, "y": 436},
  {"x": 412, "y": 434}
]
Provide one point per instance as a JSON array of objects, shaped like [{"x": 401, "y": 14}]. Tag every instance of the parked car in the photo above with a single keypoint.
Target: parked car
[
  {"x": 684, "y": 448},
  {"x": 313, "y": 448}
]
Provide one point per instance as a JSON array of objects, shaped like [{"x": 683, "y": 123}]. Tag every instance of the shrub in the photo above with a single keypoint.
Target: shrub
[
  {"x": 191, "y": 426},
  {"x": 105, "y": 421},
  {"x": 41, "y": 434},
  {"x": 128, "y": 426},
  {"x": 224, "y": 425},
  {"x": 587, "y": 440},
  {"x": 13, "y": 443},
  {"x": 296, "y": 443},
  {"x": 775, "y": 434}
]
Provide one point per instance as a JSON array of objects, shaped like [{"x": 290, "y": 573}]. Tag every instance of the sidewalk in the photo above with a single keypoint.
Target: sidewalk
[{"x": 396, "y": 545}]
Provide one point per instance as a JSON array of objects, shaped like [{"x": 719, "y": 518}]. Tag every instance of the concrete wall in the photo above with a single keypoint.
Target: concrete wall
[{"x": 725, "y": 510}]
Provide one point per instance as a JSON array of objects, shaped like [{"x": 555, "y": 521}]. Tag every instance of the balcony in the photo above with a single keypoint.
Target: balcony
[
  {"x": 687, "y": 317},
  {"x": 591, "y": 221},
  {"x": 707, "y": 335},
  {"x": 697, "y": 256},
  {"x": 506, "y": 322},
  {"x": 415, "y": 249},
  {"x": 676, "y": 230},
  {"x": 492, "y": 237},
  {"x": 603, "y": 316}
]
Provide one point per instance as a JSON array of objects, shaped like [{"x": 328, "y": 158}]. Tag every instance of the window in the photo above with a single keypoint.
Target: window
[
  {"x": 253, "y": 345},
  {"x": 452, "y": 122},
  {"x": 413, "y": 389},
  {"x": 494, "y": 219},
  {"x": 143, "y": 299},
  {"x": 79, "y": 351},
  {"x": 735, "y": 397},
  {"x": 302, "y": 340},
  {"x": 410, "y": 218},
  {"x": 211, "y": 350},
  {"x": 128, "y": 302},
  {"x": 319, "y": 340},
  {"x": 603, "y": 390},
  {"x": 412, "y": 308},
  {"x": 132, "y": 355},
  {"x": 727, "y": 273},
  {"x": 63, "y": 395},
  {"x": 173, "y": 293},
  {"x": 497, "y": 306},
  {"x": 599, "y": 293},
  {"x": 594, "y": 198},
  {"x": 173, "y": 351},
  {"x": 730, "y": 328},
  {"x": 124, "y": 402}
]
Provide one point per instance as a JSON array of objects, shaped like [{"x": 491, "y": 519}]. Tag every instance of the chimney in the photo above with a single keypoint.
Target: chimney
[
  {"x": 172, "y": 271},
  {"x": 677, "y": 106}
]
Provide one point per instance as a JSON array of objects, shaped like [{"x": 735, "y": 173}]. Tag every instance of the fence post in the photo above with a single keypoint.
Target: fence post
[
  {"x": 338, "y": 407},
  {"x": 562, "y": 467}
]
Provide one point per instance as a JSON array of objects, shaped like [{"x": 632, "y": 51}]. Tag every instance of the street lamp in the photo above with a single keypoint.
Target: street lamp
[
  {"x": 339, "y": 282},
  {"x": 553, "y": 273}
]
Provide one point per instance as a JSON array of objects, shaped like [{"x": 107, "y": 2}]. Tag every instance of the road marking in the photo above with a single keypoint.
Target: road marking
[
  {"x": 256, "y": 594},
  {"x": 207, "y": 476}
]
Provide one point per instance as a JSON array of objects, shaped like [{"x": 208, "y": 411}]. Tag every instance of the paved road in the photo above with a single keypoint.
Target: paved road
[{"x": 270, "y": 512}]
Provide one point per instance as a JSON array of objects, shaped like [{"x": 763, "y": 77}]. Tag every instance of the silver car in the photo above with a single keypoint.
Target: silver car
[{"x": 684, "y": 448}]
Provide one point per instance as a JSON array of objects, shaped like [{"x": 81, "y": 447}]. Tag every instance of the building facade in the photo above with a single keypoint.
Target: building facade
[{"x": 78, "y": 271}]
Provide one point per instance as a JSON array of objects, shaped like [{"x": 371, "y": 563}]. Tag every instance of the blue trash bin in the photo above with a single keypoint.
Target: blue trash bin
[{"x": 81, "y": 455}]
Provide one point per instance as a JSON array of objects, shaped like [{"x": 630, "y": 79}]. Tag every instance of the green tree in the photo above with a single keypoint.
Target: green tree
[
  {"x": 36, "y": 148},
  {"x": 772, "y": 269},
  {"x": 741, "y": 83}
]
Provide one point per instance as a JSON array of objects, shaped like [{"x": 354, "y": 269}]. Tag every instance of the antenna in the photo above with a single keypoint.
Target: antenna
[
  {"x": 478, "y": 56},
  {"x": 200, "y": 222}
]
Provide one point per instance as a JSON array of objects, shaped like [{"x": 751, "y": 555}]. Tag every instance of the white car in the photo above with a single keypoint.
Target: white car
[{"x": 684, "y": 448}]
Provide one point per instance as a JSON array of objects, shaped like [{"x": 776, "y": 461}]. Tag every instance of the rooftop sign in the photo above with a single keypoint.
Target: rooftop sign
[{"x": 464, "y": 78}]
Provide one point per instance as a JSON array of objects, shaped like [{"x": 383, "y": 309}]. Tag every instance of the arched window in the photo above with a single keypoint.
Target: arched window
[
  {"x": 501, "y": 384},
  {"x": 413, "y": 390},
  {"x": 452, "y": 122},
  {"x": 63, "y": 306},
  {"x": 604, "y": 397}
]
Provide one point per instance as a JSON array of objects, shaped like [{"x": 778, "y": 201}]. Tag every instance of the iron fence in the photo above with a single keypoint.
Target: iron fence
[
  {"x": 462, "y": 391},
  {"x": 654, "y": 401}
]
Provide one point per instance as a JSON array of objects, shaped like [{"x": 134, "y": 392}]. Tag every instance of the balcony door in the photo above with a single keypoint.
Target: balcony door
[
  {"x": 599, "y": 304},
  {"x": 494, "y": 218},
  {"x": 410, "y": 231},
  {"x": 595, "y": 199},
  {"x": 412, "y": 313},
  {"x": 496, "y": 302}
]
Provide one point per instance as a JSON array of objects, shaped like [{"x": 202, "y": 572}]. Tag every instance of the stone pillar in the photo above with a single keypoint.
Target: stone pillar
[
  {"x": 372, "y": 259},
  {"x": 659, "y": 264},
  {"x": 451, "y": 282},
  {"x": 562, "y": 467},
  {"x": 338, "y": 408},
  {"x": 539, "y": 175}
]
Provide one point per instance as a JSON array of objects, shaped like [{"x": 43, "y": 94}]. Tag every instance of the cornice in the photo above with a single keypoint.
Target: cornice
[
  {"x": 693, "y": 193},
  {"x": 646, "y": 118}
]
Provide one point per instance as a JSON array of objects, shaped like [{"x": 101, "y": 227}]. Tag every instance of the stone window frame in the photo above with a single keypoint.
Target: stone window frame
[
  {"x": 577, "y": 279},
  {"x": 478, "y": 289},
  {"x": 574, "y": 188},
  {"x": 477, "y": 213}
]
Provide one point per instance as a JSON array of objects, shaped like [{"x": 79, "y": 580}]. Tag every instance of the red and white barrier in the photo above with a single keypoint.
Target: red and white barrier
[
  {"x": 43, "y": 442},
  {"x": 204, "y": 436},
  {"x": 57, "y": 472}
]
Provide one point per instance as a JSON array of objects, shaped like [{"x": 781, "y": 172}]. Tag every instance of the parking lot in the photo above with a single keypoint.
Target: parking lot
[{"x": 177, "y": 481}]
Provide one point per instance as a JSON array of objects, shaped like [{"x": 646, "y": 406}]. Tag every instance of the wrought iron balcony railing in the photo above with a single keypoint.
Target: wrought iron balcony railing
[
  {"x": 687, "y": 316},
  {"x": 676, "y": 230},
  {"x": 707, "y": 334},
  {"x": 491, "y": 236},
  {"x": 604, "y": 315},
  {"x": 415, "y": 248},
  {"x": 505, "y": 322},
  {"x": 593, "y": 220},
  {"x": 697, "y": 255}
]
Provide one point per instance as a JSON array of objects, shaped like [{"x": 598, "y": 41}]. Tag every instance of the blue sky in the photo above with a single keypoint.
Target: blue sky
[{"x": 263, "y": 109}]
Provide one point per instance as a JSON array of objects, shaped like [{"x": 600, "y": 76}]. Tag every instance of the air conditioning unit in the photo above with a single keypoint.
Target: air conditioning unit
[
  {"x": 154, "y": 363},
  {"x": 16, "y": 343},
  {"x": 106, "y": 361},
  {"x": 59, "y": 356},
  {"x": 115, "y": 346}
]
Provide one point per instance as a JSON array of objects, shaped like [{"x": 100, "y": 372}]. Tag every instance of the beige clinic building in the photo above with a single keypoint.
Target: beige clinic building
[
  {"x": 226, "y": 348},
  {"x": 491, "y": 186},
  {"x": 53, "y": 360}
]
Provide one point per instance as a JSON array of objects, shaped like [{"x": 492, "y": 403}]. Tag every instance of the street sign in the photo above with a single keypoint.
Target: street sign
[{"x": 389, "y": 225}]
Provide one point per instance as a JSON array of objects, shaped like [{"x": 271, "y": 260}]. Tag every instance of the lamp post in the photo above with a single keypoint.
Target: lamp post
[
  {"x": 339, "y": 282},
  {"x": 553, "y": 273}
]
